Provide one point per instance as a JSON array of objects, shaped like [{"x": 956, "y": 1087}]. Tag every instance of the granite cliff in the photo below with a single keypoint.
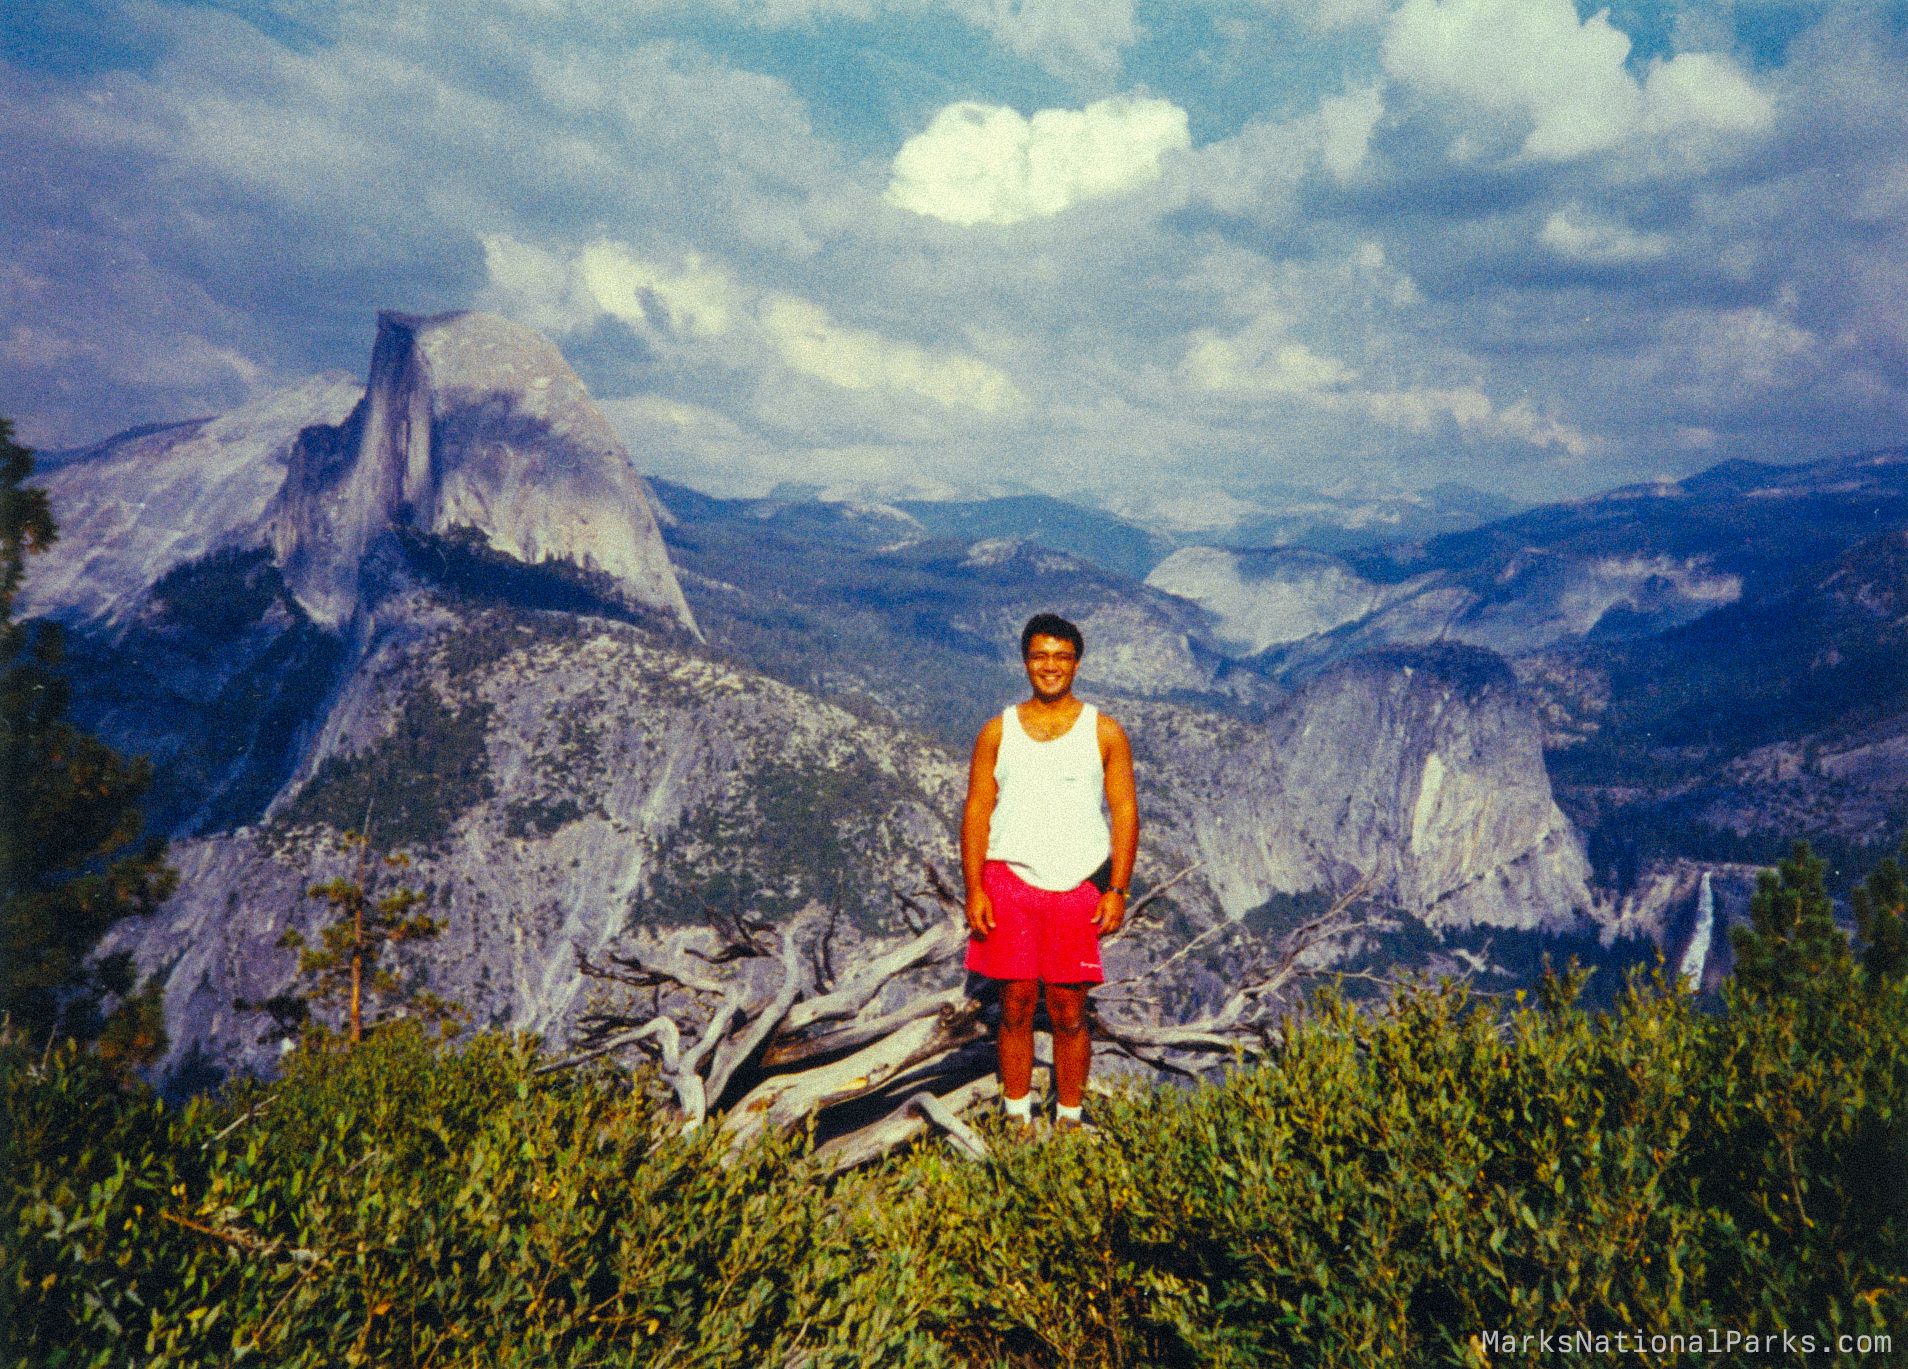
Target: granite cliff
[
  {"x": 474, "y": 429},
  {"x": 566, "y": 782},
  {"x": 220, "y": 579},
  {"x": 443, "y": 601}
]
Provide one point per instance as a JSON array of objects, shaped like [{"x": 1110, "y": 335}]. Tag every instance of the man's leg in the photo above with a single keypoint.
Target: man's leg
[
  {"x": 1072, "y": 1048},
  {"x": 1018, "y": 997}
]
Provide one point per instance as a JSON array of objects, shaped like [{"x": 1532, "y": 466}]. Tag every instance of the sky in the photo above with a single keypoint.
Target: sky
[{"x": 1110, "y": 249}]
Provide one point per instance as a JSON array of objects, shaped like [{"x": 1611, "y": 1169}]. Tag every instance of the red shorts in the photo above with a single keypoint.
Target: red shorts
[{"x": 1038, "y": 933}]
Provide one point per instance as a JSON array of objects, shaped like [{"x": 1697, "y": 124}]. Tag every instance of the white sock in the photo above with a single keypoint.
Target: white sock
[
  {"x": 1063, "y": 1113},
  {"x": 1021, "y": 1107}
]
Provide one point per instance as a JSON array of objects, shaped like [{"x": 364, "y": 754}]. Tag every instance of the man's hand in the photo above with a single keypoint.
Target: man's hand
[
  {"x": 1111, "y": 914},
  {"x": 980, "y": 913}
]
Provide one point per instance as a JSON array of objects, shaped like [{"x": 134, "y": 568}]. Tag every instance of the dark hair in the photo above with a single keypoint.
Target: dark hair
[{"x": 1050, "y": 625}]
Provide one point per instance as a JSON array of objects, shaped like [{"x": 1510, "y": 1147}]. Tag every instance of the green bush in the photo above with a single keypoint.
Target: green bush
[{"x": 1388, "y": 1188}]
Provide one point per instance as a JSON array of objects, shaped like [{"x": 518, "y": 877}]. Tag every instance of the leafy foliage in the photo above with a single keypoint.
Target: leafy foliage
[
  {"x": 71, "y": 859},
  {"x": 1387, "y": 1189}
]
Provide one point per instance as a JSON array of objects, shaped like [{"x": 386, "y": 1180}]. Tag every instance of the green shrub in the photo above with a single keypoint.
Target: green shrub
[{"x": 1388, "y": 1188}]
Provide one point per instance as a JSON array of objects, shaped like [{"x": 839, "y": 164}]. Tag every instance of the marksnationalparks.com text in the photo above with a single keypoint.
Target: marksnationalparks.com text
[{"x": 1714, "y": 1341}]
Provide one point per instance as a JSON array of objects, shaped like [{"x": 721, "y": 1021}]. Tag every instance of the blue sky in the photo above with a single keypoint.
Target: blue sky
[{"x": 1142, "y": 251}]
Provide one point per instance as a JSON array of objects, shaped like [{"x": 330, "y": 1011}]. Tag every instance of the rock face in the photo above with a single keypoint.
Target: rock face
[
  {"x": 441, "y": 604},
  {"x": 474, "y": 428},
  {"x": 134, "y": 508},
  {"x": 1534, "y": 599},
  {"x": 1263, "y": 599},
  {"x": 1664, "y": 906},
  {"x": 559, "y": 782},
  {"x": 1422, "y": 769},
  {"x": 470, "y": 429},
  {"x": 222, "y": 577}
]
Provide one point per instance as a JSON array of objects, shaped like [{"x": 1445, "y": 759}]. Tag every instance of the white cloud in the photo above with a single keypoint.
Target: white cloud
[
  {"x": 1261, "y": 359},
  {"x": 1521, "y": 56},
  {"x": 697, "y": 314},
  {"x": 534, "y": 286},
  {"x": 1579, "y": 235},
  {"x": 1565, "y": 77},
  {"x": 1327, "y": 16},
  {"x": 977, "y": 163},
  {"x": 858, "y": 359},
  {"x": 1758, "y": 348},
  {"x": 1346, "y": 123},
  {"x": 691, "y": 302},
  {"x": 1467, "y": 406},
  {"x": 636, "y": 182},
  {"x": 1699, "y": 90}
]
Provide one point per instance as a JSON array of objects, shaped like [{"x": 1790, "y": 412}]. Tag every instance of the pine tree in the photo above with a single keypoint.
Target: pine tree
[
  {"x": 1881, "y": 916},
  {"x": 345, "y": 970},
  {"x": 71, "y": 859},
  {"x": 1792, "y": 944}
]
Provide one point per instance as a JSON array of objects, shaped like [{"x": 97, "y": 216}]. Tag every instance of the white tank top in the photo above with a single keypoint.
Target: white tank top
[{"x": 1049, "y": 820}]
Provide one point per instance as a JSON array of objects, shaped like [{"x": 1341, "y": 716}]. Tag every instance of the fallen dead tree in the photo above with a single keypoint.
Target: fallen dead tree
[
  {"x": 1244, "y": 1022},
  {"x": 763, "y": 1035}
]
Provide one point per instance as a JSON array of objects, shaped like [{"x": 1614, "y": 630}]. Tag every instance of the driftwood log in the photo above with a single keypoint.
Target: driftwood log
[{"x": 756, "y": 1036}]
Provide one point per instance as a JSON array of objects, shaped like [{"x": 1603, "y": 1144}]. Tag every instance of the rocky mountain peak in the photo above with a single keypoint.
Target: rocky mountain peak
[
  {"x": 1422, "y": 769},
  {"x": 472, "y": 429}
]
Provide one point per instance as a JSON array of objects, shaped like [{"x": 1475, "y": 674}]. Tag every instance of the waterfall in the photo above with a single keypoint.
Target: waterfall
[{"x": 1696, "y": 954}]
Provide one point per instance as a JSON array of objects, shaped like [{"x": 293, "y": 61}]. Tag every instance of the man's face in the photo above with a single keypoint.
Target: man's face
[{"x": 1051, "y": 662}]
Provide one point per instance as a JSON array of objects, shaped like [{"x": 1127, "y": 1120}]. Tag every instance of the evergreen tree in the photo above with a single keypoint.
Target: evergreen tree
[
  {"x": 1881, "y": 916},
  {"x": 71, "y": 861},
  {"x": 1792, "y": 943},
  {"x": 345, "y": 970}
]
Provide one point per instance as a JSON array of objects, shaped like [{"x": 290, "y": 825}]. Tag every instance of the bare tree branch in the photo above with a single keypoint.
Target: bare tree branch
[
  {"x": 855, "y": 992},
  {"x": 660, "y": 1027},
  {"x": 927, "y": 1105},
  {"x": 784, "y": 1049},
  {"x": 691, "y": 1088},
  {"x": 764, "y": 1021},
  {"x": 782, "y": 1100},
  {"x": 638, "y": 973},
  {"x": 900, "y": 1126},
  {"x": 860, "y": 1033},
  {"x": 943, "y": 891},
  {"x": 1146, "y": 900},
  {"x": 1236, "y": 1025}
]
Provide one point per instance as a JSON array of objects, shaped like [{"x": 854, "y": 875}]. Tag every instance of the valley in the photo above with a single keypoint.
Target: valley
[{"x": 597, "y": 712}]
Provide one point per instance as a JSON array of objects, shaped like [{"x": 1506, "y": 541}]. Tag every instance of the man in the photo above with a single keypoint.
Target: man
[{"x": 1047, "y": 872}]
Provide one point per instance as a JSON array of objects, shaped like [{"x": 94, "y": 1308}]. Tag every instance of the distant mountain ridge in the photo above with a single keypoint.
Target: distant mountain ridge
[
  {"x": 864, "y": 605},
  {"x": 445, "y": 599}
]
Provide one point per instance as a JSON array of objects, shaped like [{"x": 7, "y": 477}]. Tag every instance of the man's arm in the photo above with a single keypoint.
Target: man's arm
[
  {"x": 976, "y": 819},
  {"x": 1122, "y": 807}
]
